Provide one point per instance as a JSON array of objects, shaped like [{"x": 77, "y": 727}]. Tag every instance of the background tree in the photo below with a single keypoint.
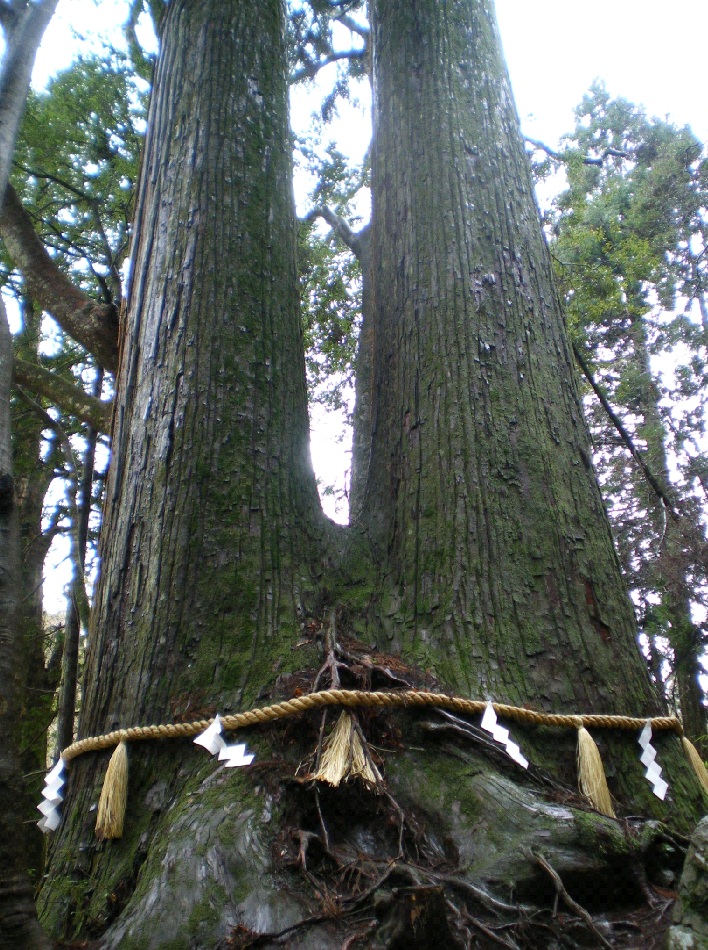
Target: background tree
[
  {"x": 74, "y": 202},
  {"x": 22, "y": 25},
  {"x": 629, "y": 238}
]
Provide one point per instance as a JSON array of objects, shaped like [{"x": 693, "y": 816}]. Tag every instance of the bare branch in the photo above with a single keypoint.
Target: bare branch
[
  {"x": 566, "y": 898},
  {"x": 93, "y": 325},
  {"x": 626, "y": 437},
  {"x": 356, "y": 241},
  {"x": 142, "y": 62},
  {"x": 568, "y": 153},
  {"x": 8, "y": 17},
  {"x": 80, "y": 582},
  {"x": 346, "y": 20},
  {"x": 23, "y": 39},
  {"x": 310, "y": 70}
]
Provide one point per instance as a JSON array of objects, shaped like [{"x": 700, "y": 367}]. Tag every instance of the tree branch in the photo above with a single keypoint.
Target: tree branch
[
  {"x": 8, "y": 17},
  {"x": 356, "y": 241},
  {"x": 565, "y": 896},
  {"x": 143, "y": 64},
  {"x": 310, "y": 70},
  {"x": 23, "y": 37},
  {"x": 566, "y": 155},
  {"x": 93, "y": 325},
  {"x": 346, "y": 20},
  {"x": 70, "y": 399},
  {"x": 73, "y": 475},
  {"x": 626, "y": 437}
]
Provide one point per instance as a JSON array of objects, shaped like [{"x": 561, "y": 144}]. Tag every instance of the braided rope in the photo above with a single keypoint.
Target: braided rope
[{"x": 354, "y": 698}]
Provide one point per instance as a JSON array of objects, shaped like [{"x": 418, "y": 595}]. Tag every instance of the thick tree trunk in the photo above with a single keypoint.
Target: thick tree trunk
[
  {"x": 214, "y": 542},
  {"x": 212, "y": 520},
  {"x": 479, "y": 432},
  {"x": 211, "y": 455},
  {"x": 18, "y": 922},
  {"x": 499, "y": 572}
]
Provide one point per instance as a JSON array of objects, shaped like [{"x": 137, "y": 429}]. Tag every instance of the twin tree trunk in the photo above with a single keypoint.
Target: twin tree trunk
[{"x": 481, "y": 551}]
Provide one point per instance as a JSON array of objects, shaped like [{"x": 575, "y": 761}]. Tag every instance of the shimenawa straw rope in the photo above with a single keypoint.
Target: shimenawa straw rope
[{"x": 345, "y": 741}]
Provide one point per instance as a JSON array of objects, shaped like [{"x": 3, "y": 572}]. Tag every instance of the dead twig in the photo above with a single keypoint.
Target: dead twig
[
  {"x": 481, "y": 896},
  {"x": 360, "y": 935},
  {"x": 487, "y": 931},
  {"x": 566, "y": 898}
]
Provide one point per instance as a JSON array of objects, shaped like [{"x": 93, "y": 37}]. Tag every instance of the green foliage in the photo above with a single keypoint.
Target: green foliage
[
  {"x": 76, "y": 166},
  {"x": 75, "y": 169},
  {"x": 331, "y": 289},
  {"x": 629, "y": 239},
  {"x": 315, "y": 39},
  {"x": 330, "y": 278}
]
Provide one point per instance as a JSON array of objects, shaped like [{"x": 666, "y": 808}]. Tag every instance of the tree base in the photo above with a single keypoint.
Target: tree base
[{"x": 459, "y": 846}]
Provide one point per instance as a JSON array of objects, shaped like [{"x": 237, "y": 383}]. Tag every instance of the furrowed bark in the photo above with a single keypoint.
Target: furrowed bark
[
  {"x": 213, "y": 529},
  {"x": 481, "y": 502}
]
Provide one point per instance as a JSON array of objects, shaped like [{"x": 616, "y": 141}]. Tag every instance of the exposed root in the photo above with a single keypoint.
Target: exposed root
[
  {"x": 568, "y": 900},
  {"x": 377, "y": 876}
]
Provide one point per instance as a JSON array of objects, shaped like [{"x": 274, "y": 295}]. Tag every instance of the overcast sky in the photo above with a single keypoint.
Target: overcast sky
[{"x": 649, "y": 51}]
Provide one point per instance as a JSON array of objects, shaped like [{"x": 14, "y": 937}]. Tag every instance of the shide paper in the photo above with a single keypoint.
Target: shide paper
[
  {"x": 647, "y": 758},
  {"x": 53, "y": 797},
  {"x": 489, "y": 723},
  {"x": 231, "y": 755}
]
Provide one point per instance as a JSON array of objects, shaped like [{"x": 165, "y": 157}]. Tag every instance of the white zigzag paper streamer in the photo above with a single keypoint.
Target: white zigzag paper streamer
[
  {"x": 231, "y": 755},
  {"x": 647, "y": 758},
  {"x": 489, "y": 722},
  {"x": 211, "y": 737},
  {"x": 53, "y": 797}
]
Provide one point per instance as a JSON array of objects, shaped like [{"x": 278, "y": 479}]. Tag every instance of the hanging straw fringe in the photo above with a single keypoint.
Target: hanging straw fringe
[
  {"x": 696, "y": 761},
  {"x": 111, "y": 806},
  {"x": 591, "y": 774},
  {"x": 344, "y": 757}
]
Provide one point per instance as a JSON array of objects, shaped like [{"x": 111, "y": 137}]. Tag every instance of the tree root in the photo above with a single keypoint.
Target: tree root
[{"x": 399, "y": 887}]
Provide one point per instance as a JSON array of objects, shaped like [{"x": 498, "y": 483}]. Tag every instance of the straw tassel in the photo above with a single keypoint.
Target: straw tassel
[
  {"x": 697, "y": 762},
  {"x": 344, "y": 756},
  {"x": 111, "y": 806},
  {"x": 591, "y": 774}
]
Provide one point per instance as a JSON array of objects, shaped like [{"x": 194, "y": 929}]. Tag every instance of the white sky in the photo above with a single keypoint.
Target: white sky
[{"x": 648, "y": 51}]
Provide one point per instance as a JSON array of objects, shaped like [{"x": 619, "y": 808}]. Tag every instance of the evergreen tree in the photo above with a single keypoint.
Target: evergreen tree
[{"x": 629, "y": 239}]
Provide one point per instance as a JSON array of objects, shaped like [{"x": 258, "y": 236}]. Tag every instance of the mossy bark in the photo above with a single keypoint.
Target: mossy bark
[
  {"x": 478, "y": 429},
  {"x": 212, "y": 537},
  {"x": 19, "y": 929},
  {"x": 481, "y": 551}
]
